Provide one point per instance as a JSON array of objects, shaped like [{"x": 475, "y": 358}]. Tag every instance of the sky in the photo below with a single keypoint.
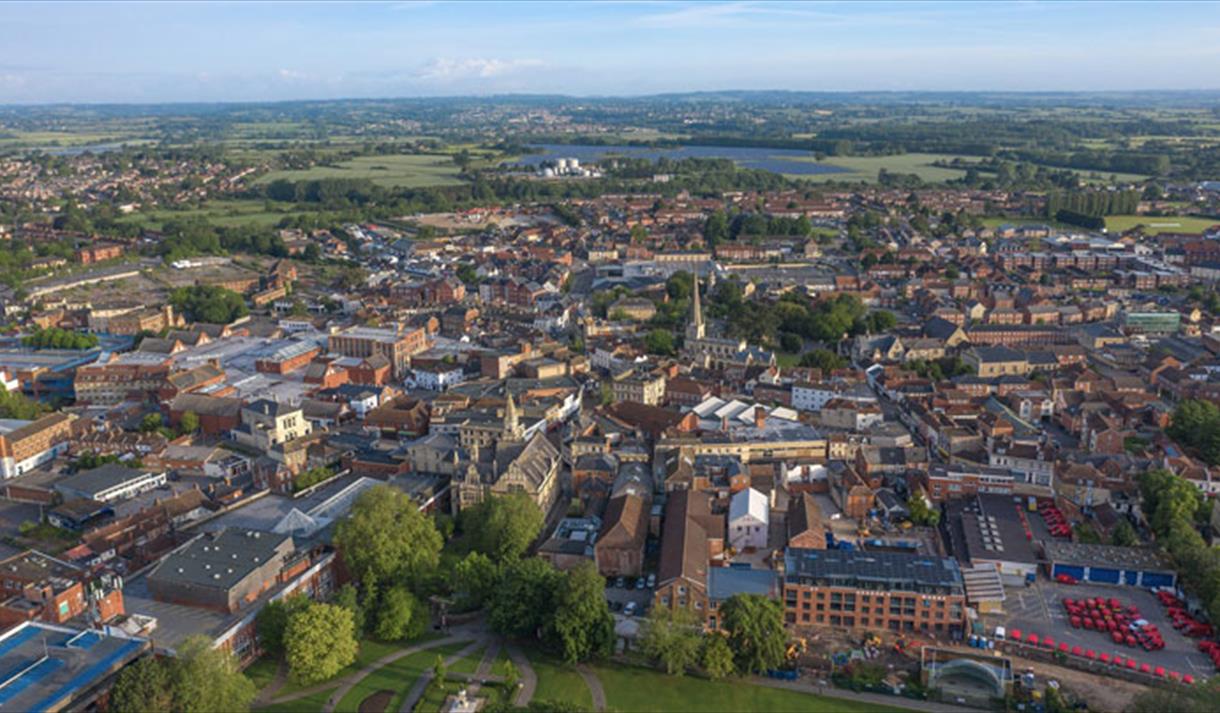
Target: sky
[{"x": 137, "y": 52}]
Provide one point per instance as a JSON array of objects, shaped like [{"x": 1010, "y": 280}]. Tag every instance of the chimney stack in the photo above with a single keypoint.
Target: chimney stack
[{"x": 760, "y": 417}]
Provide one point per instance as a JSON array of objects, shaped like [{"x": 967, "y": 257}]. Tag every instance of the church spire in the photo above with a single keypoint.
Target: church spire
[
  {"x": 695, "y": 330},
  {"x": 512, "y": 425}
]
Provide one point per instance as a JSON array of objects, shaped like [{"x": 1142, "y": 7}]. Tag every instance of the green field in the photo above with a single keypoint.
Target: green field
[
  {"x": 399, "y": 676},
  {"x": 559, "y": 682},
  {"x": 392, "y": 171},
  {"x": 312, "y": 702},
  {"x": 865, "y": 168},
  {"x": 644, "y": 690},
  {"x": 1162, "y": 224},
  {"x": 226, "y": 213}
]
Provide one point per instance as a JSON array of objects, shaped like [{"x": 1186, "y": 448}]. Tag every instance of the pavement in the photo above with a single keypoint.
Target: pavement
[
  {"x": 529, "y": 679},
  {"x": 1039, "y": 609},
  {"x": 595, "y": 687}
]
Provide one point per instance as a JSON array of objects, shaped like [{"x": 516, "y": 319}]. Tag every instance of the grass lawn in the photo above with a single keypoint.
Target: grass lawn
[
  {"x": 225, "y": 213},
  {"x": 787, "y": 360},
  {"x": 643, "y": 690},
  {"x": 312, "y": 702},
  {"x": 398, "y": 676},
  {"x": 1159, "y": 224},
  {"x": 468, "y": 663},
  {"x": 262, "y": 671},
  {"x": 558, "y": 681},
  {"x": 398, "y": 171}
]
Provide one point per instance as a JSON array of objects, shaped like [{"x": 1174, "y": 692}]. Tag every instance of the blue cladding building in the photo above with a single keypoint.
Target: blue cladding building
[{"x": 1106, "y": 564}]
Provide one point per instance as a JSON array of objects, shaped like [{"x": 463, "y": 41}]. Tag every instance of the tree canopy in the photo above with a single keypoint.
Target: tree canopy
[
  {"x": 200, "y": 679},
  {"x": 209, "y": 303},
  {"x": 319, "y": 641},
  {"x": 385, "y": 539},
  {"x": 503, "y": 527},
  {"x": 756, "y": 631},
  {"x": 583, "y": 626}
]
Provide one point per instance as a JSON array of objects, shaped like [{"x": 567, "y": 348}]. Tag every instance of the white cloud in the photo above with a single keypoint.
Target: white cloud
[
  {"x": 444, "y": 68},
  {"x": 291, "y": 75}
]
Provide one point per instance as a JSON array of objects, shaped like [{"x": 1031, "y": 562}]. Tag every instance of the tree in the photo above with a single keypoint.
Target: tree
[
  {"x": 511, "y": 676},
  {"x": 386, "y": 539},
  {"x": 209, "y": 303},
  {"x": 921, "y": 512},
  {"x": 582, "y": 626},
  {"x": 401, "y": 615},
  {"x": 659, "y": 341},
  {"x": 348, "y": 598},
  {"x": 320, "y": 640},
  {"x": 717, "y": 657},
  {"x": 440, "y": 672},
  {"x": 474, "y": 579},
  {"x": 151, "y": 422},
  {"x": 207, "y": 679},
  {"x": 272, "y": 622},
  {"x": 756, "y": 631},
  {"x": 524, "y": 601},
  {"x": 146, "y": 686},
  {"x": 716, "y": 228},
  {"x": 1124, "y": 534},
  {"x": 189, "y": 423},
  {"x": 672, "y": 636},
  {"x": 503, "y": 527},
  {"x": 823, "y": 359}
]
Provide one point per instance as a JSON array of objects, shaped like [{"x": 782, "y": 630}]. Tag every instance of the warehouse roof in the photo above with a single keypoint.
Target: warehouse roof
[{"x": 1145, "y": 558}]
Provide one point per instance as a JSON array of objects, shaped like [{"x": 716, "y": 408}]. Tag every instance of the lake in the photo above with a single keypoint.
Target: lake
[{"x": 790, "y": 161}]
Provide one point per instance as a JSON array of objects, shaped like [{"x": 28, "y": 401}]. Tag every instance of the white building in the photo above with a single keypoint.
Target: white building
[
  {"x": 437, "y": 379},
  {"x": 749, "y": 520}
]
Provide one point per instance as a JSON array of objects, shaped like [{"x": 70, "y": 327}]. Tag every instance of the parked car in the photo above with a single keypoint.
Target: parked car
[
  {"x": 652, "y": 581},
  {"x": 620, "y": 583},
  {"x": 629, "y": 610},
  {"x": 639, "y": 583}
]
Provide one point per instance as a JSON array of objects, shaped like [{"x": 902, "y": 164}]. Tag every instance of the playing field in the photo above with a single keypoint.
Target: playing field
[
  {"x": 223, "y": 213},
  {"x": 1164, "y": 224},
  {"x": 392, "y": 171}
]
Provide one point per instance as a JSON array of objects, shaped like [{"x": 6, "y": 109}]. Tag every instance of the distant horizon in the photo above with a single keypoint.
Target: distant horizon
[
  {"x": 626, "y": 97},
  {"x": 123, "y": 53}
]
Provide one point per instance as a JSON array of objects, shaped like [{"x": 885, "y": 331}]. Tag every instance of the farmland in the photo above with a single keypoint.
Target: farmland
[
  {"x": 1154, "y": 225},
  {"x": 394, "y": 171},
  {"x": 865, "y": 168}
]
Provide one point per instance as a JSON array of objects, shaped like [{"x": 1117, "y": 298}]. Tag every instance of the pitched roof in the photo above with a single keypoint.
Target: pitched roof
[
  {"x": 625, "y": 523},
  {"x": 804, "y": 516}
]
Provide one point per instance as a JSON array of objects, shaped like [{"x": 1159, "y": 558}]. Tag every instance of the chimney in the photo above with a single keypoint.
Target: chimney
[{"x": 760, "y": 417}]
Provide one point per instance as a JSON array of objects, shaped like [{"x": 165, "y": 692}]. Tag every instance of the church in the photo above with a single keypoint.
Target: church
[
  {"x": 717, "y": 352},
  {"x": 502, "y": 460}
]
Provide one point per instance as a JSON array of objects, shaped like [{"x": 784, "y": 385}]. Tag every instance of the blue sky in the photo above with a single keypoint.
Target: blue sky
[{"x": 183, "y": 51}]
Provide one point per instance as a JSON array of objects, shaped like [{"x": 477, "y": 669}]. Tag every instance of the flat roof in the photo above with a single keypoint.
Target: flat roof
[
  {"x": 872, "y": 570},
  {"x": 1144, "y": 558},
  {"x": 220, "y": 560},
  {"x": 988, "y": 527},
  {"x": 104, "y": 478},
  {"x": 46, "y": 667}
]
